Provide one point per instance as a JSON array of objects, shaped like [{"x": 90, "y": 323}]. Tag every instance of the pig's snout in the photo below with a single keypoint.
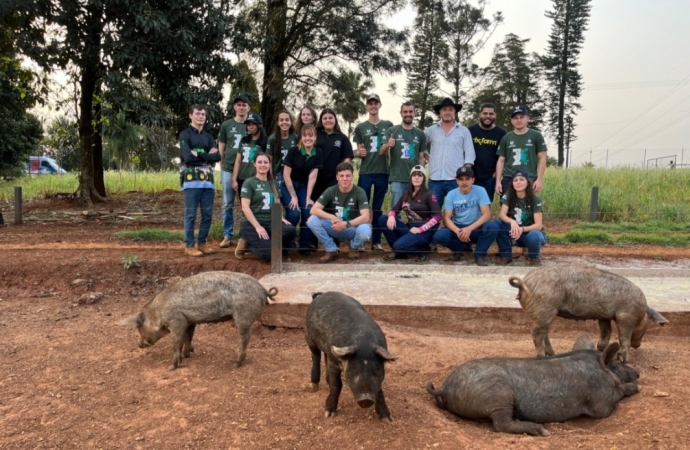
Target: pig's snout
[
  {"x": 365, "y": 401},
  {"x": 144, "y": 344}
]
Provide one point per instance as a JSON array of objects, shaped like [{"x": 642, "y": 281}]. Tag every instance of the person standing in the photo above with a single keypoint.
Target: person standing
[
  {"x": 486, "y": 136},
  {"x": 307, "y": 116},
  {"x": 250, "y": 145},
  {"x": 231, "y": 132},
  {"x": 199, "y": 154},
  {"x": 336, "y": 148},
  {"x": 282, "y": 139},
  {"x": 522, "y": 149},
  {"x": 373, "y": 171},
  {"x": 403, "y": 143},
  {"x": 450, "y": 147}
]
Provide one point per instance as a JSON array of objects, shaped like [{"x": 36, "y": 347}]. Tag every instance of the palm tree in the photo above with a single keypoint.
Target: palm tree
[
  {"x": 123, "y": 138},
  {"x": 349, "y": 91}
]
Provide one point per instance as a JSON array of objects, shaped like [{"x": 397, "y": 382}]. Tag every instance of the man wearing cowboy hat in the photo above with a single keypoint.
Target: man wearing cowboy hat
[{"x": 450, "y": 147}]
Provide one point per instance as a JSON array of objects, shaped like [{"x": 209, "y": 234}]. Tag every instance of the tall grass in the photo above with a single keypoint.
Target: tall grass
[{"x": 625, "y": 194}]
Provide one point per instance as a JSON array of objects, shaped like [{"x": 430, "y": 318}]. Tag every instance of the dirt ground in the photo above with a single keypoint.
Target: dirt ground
[{"x": 70, "y": 377}]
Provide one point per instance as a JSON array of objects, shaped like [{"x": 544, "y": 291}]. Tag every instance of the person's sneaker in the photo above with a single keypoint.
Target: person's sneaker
[
  {"x": 329, "y": 257},
  {"x": 455, "y": 256},
  {"x": 432, "y": 248},
  {"x": 504, "y": 261},
  {"x": 227, "y": 242},
  {"x": 205, "y": 249},
  {"x": 241, "y": 249},
  {"x": 376, "y": 247},
  {"x": 481, "y": 261},
  {"x": 192, "y": 251},
  {"x": 534, "y": 262}
]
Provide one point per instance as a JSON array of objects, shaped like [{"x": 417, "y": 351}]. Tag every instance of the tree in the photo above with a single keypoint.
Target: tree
[
  {"x": 61, "y": 143},
  {"x": 245, "y": 83},
  {"x": 349, "y": 91},
  {"x": 301, "y": 43},
  {"x": 177, "y": 46},
  {"x": 123, "y": 139},
  {"x": 512, "y": 79},
  {"x": 564, "y": 82},
  {"x": 429, "y": 50}
]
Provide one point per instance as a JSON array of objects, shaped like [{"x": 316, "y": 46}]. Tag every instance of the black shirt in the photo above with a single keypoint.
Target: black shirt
[
  {"x": 200, "y": 141},
  {"x": 485, "y": 146},
  {"x": 302, "y": 164},
  {"x": 335, "y": 148}
]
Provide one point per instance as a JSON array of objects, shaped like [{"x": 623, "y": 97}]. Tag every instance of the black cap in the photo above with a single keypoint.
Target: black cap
[
  {"x": 240, "y": 98},
  {"x": 521, "y": 173},
  {"x": 519, "y": 110},
  {"x": 254, "y": 117},
  {"x": 464, "y": 170}
]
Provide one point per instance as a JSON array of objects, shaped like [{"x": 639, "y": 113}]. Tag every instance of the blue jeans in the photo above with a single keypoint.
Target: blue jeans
[
  {"x": 379, "y": 181},
  {"x": 402, "y": 241},
  {"x": 291, "y": 215},
  {"x": 304, "y": 211},
  {"x": 398, "y": 189},
  {"x": 489, "y": 185},
  {"x": 441, "y": 188},
  {"x": 533, "y": 240},
  {"x": 449, "y": 239},
  {"x": 321, "y": 228},
  {"x": 193, "y": 199},
  {"x": 228, "y": 208}
]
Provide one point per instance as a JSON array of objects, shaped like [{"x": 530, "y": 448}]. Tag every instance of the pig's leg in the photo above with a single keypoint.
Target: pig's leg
[
  {"x": 335, "y": 385},
  {"x": 178, "y": 330},
  {"x": 315, "y": 367},
  {"x": 245, "y": 332},
  {"x": 503, "y": 422},
  {"x": 187, "y": 348},
  {"x": 624, "y": 335},
  {"x": 605, "y": 334},
  {"x": 381, "y": 407},
  {"x": 548, "y": 349},
  {"x": 539, "y": 336}
]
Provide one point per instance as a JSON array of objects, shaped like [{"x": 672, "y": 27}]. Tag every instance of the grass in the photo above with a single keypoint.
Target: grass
[
  {"x": 651, "y": 233},
  {"x": 161, "y": 235}
]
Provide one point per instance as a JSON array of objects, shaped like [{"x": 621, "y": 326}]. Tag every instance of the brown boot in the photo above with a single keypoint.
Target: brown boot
[
  {"x": 329, "y": 257},
  {"x": 227, "y": 242},
  {"x": 205, "y": 249},
  {"x": 504, "y": 261},
  {"x": 534, "y": 262},
  {"x": 241, "y": 249},
  {"x": 191, "y": 251}
]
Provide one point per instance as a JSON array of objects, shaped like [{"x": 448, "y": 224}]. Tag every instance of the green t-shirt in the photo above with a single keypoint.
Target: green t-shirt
[
  {"x": 272, "y": 149},
  {"x": 261, "y": 197},
  {"x": 522, "y": 212},
  {"x": 373, "y": 137},
  {"x": 520, "y": 152},
  {"x": 231, "y": 132},
  {"x": 344, "y": 206},
  {"x": 405, "y": 154},
  {"x": 248, "y": 150}
]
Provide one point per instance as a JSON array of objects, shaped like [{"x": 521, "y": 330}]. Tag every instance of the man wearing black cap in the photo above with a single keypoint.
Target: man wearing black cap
[
  {"x": 373, "y": 171},
  {"x": 521, "y": 149},
  {"x": 485, "y": 137},
  {"x": 450, "y": 147},
  {"x": 231, "y": 132},
  {"x": 465, "y": 211}
]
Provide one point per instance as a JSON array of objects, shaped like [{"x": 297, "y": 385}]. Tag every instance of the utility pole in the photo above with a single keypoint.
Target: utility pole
[{"x": 644, "y": 159}]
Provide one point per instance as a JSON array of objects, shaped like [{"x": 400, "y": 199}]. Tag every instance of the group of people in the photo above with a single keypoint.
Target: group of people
[{"x": 306, "y": 165}]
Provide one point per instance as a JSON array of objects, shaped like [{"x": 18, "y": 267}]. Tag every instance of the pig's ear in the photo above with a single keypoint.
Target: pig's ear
[
  {"x": 609, "y": 354},
  {"x": 584, "y": 342},
  {"x": 656, "y": 317},
  {"x": 315, "y": 294},
  {"x": 385, "y": 354},
  {"x": 343, "y": 352},
  {"x": 133, "y": 321}
]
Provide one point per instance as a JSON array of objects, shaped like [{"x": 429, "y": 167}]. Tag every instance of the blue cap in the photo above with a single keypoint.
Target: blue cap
[
  {"x": 519, "y": 110},
  {"x": 521, "y": 173},
  {"x": 254, "y": 117}
]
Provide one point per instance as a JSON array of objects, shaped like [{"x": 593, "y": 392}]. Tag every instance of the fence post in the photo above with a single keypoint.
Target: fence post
[
  {"x": 594, "y": 205},
  {"x": 276, "y": 238},
  {"x": 17, "y": 205}
]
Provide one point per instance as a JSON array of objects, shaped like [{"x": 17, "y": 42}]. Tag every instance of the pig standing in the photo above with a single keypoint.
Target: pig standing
[
  {"x": 582, "y": 293},
  {"x": 520, "y": 394},
  {"x": 204, "y": 298},
  {"x": 353, "y": 344}
]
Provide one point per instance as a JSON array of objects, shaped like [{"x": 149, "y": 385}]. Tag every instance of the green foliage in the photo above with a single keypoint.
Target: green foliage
[
  {"x": 604, "y": 238},
  {"x": 61, "y": 142},
  {"x": 245, "y": 83},
  {"x": 151, "y": 234},
  {"x": 551, "y": 161},
  {"x": 349, "y": 90},
  {"x": 130, "y": 261},
  {"x": 123, "y": 139}
]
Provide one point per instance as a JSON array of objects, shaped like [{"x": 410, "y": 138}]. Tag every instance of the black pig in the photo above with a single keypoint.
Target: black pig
[
  {"x": 518, "y": 395},
  {"x": 354, "y": 345}
]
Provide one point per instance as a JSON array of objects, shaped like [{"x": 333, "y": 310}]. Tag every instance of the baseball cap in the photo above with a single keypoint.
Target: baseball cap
[
  {"x": 521, "y": 173},
  {"x": 417, "y": 168},
  {"x": 464, "y": 170},
  {"x": 254, "y": 117},
  {"x": 372, "y": 96},
  {"x": 240, "y": 98},
  {"x": 519, "y": 110}
]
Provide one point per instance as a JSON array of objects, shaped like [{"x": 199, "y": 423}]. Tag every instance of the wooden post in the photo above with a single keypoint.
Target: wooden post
[
  {"x": 17, "y": 205},
  {"x": 594, "y": 205},
  {"x": 276, "y": 238}
]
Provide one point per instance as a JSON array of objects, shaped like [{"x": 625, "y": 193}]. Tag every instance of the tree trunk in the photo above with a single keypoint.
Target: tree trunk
[
  {"x": 563, "y": 84},
  {"x": 98, "y": 179},
  {"x": 273, "y": 90}
]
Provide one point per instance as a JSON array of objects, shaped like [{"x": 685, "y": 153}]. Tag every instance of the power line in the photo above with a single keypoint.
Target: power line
[
  {"x": 630, "y": 85},
  {"x": 659, "y": 117}
]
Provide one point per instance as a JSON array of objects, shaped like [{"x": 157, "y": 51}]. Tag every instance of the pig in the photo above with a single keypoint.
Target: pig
[
  {"x": 208, "y": 297},
  {"x": 354, "y": 346},
  {"x": 519, "y": 394},
  {"x": 626, "y": 372},
  {"x": 582, "y": 293}
]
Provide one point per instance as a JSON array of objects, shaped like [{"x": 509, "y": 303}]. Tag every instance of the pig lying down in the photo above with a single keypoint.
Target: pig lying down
[
  {"x": 582, "y": 293},
  {"x": 208, "y": 297},
  {"x": 518, "y": 395},
  {"x": 355, "y": 347}
]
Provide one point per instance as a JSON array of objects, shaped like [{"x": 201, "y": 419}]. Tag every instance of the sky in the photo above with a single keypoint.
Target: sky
[{"x": 635, "y": 64}]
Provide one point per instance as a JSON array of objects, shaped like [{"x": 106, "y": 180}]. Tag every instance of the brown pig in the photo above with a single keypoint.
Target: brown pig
[
  {"x": 208, "y": 297},
  {"x": 583, "y": 293}
]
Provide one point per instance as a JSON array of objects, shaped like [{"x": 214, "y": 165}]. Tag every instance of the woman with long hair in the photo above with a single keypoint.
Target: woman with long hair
[
  {"x": 251, "y": 145},
  {"x": 307, "y": 116},
  {"x": 336, "y": 148},
  {"x": 282, "y": 139},
  {"x": 520, "y": 221},
  {"x": 258, "y": 194},
  {"x": 301, "y": 168},
  {"x": 423, "y": 217}
]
